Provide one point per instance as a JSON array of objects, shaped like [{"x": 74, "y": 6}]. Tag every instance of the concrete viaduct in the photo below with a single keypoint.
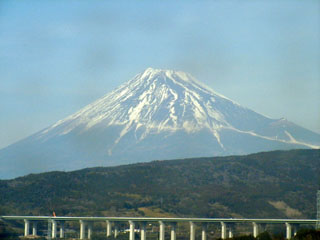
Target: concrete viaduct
[{"x": 87, "y": 222}]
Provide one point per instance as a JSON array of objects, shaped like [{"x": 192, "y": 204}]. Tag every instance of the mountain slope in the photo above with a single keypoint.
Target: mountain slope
[
  {"x": 279, "y": 184},
  {"x": 159, "y": 114}
]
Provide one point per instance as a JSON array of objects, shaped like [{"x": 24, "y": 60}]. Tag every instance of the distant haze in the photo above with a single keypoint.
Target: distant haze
[{"x": 58, "y": 56}]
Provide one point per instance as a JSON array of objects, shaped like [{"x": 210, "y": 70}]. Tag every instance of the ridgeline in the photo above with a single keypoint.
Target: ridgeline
[{"x": 277, "y": 184}]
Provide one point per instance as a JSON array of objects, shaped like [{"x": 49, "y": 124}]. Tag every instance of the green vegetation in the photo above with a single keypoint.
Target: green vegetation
[
  {"x": 278, "y": 184},
  {"x": 307, "y": 234}
]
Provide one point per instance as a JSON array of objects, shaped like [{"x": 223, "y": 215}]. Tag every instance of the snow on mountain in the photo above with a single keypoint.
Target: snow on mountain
[
  {"x": 159, "y": 114},
  {"x": 156, "y": 100}
]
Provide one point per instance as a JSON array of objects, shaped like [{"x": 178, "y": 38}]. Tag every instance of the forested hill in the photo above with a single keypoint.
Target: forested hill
[{"x": 278, "y": 184}]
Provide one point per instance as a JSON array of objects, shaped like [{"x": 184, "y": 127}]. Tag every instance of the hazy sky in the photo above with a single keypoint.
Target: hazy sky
[{"x": 58, "y": 56}]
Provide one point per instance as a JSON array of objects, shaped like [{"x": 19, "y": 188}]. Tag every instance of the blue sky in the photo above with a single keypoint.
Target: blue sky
[{"x": 58, "y": 56}]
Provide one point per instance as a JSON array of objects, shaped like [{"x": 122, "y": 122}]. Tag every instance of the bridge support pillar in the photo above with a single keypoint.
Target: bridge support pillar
[
  {"x": 230, "y": 233},
  {"x": 295, "y": 229},
  {"x": 89, "y": 230},
  {"x": 192, "y": 231},
  {"x": 143, "y": 235},
  {"x": 230, "y": 228},
  {"x": 116, "y": 230},
  {"x": 34, "y": 228},
  {"x": 131, "y": 234},
  {"x": 161, "y": 230},
  {"x": 223, "y": 230},
  {"x": 82, "y": 229},
  {"x": 288, "y": 231},
  {"x": 54, "y": 229},
  {"x": 26, "y": 227},
  {"x": 108, "y": 228},
  {"x": 49, "y": 230},
  {"x": 61, "y": 229},
  {"x": 255, "y": 229},
  {"x": 173, "y": 234},
  {"x": 204, "y": 231},
  {"x": 263, "y": 227}
]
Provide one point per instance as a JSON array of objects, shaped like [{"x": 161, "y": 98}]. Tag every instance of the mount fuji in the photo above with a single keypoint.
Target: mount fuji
[{"x": 159, "y": 114}]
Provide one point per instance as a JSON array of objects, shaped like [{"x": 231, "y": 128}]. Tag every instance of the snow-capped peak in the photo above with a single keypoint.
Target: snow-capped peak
[
  {"x": 154, "y": 100},
  {"x": 162, "y": 101},
  {"x": 159, "y": 114},
  {"x": 152, "y": 73}
]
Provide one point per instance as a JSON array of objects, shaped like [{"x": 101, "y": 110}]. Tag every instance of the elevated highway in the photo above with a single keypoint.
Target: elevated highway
[{"x": 86, "y": 224}]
